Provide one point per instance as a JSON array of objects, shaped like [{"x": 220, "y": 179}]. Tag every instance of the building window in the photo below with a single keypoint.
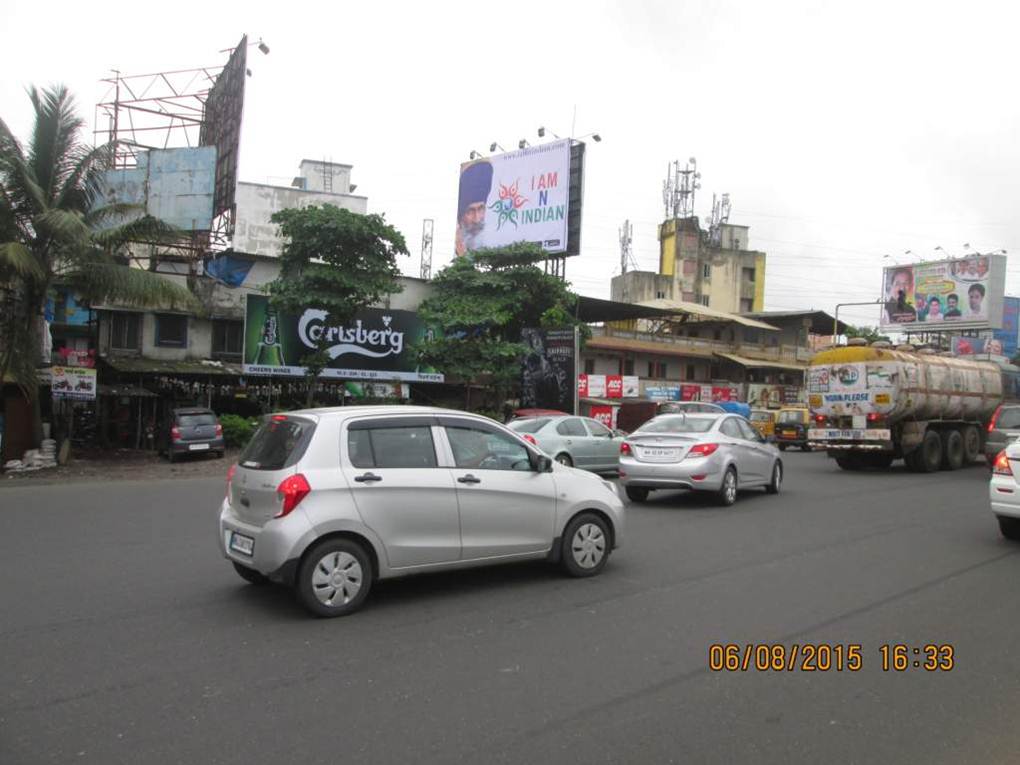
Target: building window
[
  {"x": 746, "y": 305},
  {"x": 628, "y": 367},
  {"x": 657, "y": 370},
  {"x": 171, "y": 330},
  {"x": 717, "y": 335},
  {"x": 706, "y": 271},
  {"x": 660, "y": 295},
  {"x": 589, "y": 366},
  {"x": 704, "y": 300},
  {"x": 228, "y": 338},
  {"x": 124, "y": 331},
  {"x": 748, "y": 274},
  {"x": 690, "y": 372},
  {"x": 773, "y": 340},
  {"x": 750, "y": 335}
]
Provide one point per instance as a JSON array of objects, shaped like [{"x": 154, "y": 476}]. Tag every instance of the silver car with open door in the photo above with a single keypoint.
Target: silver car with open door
[
  {"x": 573, "y": 441},
  {"x": 701, "y": 452}
]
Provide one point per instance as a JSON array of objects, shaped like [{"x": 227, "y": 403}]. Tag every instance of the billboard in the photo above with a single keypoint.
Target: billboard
[
  {"x": 518, "y": 196},
  {"x": 74, "y": 383},
  {"x": 376, "y": 345},
  {"x": 964, "y": 293},
  {"x": 221, "y": 124},
  {"x": 549, "y": 369},
  {"x": 608, "y": 386}
]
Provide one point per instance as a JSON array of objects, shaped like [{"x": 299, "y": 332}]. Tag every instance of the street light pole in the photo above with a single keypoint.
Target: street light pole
[{"x": 835, "y": 321}]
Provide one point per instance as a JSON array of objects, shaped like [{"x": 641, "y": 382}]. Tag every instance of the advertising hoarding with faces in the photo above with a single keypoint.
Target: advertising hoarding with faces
[{"x": 962, "y": 293}]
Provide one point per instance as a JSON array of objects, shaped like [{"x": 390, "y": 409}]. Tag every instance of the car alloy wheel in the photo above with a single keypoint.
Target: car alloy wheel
[
  {"x": 564, "y": 459},
  {"x": 728, "y": 491},
  {"x": 337, "y": 579},
  {"x": 777, "y": 478},
  {"x": 588, "y": 546}
]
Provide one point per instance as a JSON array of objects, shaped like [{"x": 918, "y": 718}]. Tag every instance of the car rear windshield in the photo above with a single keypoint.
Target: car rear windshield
[
  {"x": 529, "y": 426},
  {"x": 1009, "y": 418},
  {"x": 278, "y": 444},
  {"x": 760, "y": 416},
  {"x": 678, "y": 424},
  {"x": 193, "y": 420},
  {"x": 792, "y": 418}
]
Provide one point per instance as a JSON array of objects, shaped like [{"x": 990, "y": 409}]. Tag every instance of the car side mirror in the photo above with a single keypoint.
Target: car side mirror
[{"x": 543, "y": 464}]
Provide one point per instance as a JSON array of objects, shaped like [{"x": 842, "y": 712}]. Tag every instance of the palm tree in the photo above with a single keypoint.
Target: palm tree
[{"x": 55, "y": 228}]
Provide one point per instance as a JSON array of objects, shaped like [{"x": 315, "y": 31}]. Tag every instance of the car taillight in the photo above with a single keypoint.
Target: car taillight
[
  {"x": 530, "y": 439},
  {"x": 874, "y": 417},
  {"x": 625, "y": 448},
  {"x": 995, "y": 418},
  {"x": 702, "y": 450},
  {"x": 230, "y": 477},
  {"x": 820, "y": 419},
  {"x": 292, "y": 490},
  {"x": 219, "y": 430},
  {"x": 175, "y": 433},
  {"x": 1001, "y": 464}
]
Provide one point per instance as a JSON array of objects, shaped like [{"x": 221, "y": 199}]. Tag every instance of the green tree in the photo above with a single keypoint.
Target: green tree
[
  {"x": 871, "y": 334},
  {"x": 55, "y": 230},
  {"x": 335, "y": 261},
  {"x": 480, "y": 304}
]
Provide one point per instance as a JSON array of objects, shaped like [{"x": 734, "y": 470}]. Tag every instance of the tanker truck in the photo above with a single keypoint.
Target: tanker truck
[{"x": 875, "y": 404}]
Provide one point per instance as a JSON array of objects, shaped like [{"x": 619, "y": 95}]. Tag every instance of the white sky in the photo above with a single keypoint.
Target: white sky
[{"x": 842, "y": 131}]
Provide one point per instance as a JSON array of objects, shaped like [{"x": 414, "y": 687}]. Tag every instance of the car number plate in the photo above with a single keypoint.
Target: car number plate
[
  {"x": 790, "y": 433},
  {"x": 658, "y": 454},
  {"x": 198, "y": 447},
  {"x": 242, "y": 544}
]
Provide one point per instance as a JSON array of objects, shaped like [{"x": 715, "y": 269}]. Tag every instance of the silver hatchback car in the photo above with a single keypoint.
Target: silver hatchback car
[
  {"x": 329, "y": 500},
  {"x": 703, "y": 452}
]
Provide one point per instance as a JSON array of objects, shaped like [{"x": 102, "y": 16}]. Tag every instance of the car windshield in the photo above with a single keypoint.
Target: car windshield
[
  {"x": 678, "y": 423},
  {"x": 531, "y": 425},
  {"x": 791, "y": 418}
]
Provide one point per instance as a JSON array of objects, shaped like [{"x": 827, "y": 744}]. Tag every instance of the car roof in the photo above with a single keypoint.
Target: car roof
[
  {"x": 345, "y": 412},
  {"x": 194, "y": 410}
]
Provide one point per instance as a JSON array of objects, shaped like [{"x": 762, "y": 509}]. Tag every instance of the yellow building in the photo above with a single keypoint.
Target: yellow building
[{"x": 715, "y": 270}]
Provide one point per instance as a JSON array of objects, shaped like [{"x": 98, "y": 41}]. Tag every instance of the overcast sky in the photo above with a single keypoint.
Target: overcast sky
[{"x": 842, "y": 131}]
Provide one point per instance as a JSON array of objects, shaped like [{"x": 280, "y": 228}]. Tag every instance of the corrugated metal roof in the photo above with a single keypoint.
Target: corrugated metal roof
[
  {"x": 141, "y": 364},
  {"x": 758, "y": 363},
  {"x": 682, "y": 306}
]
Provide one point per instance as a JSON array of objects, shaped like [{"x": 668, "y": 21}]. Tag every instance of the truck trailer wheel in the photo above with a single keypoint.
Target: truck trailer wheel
[
  {"x": 971, "y": 444},
  {"x": 952, "y": 457},
  {"x": 849, "y": 462},
  {"x": 929, "y": 453}
]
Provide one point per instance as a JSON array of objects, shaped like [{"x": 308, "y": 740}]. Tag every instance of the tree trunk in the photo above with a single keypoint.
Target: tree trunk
[{"x": 310, "y": 395}]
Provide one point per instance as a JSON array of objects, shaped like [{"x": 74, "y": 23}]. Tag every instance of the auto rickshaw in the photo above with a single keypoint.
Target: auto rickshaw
[
  {"x": 764, "y": 421},
  {"x": 792, "y": 427}
]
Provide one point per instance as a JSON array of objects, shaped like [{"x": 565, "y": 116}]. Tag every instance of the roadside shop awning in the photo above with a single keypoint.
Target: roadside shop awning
[
  {"x": 125, "y": 391},
  {"x": 143, "y": 365},
  {"x": 760, "y": 364}
]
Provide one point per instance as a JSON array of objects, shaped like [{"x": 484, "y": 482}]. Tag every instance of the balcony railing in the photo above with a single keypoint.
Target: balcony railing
[{"x": 780, "y": 353}]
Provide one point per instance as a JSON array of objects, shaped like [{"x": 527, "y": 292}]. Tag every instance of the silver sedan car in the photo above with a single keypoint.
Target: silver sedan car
[
  {"x": 572, "y": 441},
  {"x": 702, "y": 452}
]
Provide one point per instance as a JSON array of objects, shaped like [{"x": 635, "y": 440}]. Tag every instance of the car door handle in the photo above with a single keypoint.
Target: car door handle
[
  {"x": 468, "y": 479},
  {"x": 368, "y": 478}
]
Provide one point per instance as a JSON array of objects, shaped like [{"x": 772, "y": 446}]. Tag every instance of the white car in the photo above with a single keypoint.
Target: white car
[{"x": 1004, "y": 490}]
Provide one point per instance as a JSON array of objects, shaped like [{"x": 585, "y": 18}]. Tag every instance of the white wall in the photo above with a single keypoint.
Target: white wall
[{"x": 254, "y": 234}]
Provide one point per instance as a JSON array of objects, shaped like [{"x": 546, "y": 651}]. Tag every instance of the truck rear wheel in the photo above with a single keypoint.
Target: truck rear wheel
[
  {"x": 971, "y": 444},
  {"x": 849, "y": 462},
  {"x": 929, "y": 454},
  {"x": 952, "y": 455}
]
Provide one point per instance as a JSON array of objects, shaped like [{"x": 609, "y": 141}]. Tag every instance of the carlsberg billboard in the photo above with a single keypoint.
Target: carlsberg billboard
[{"x": 376, "y": 345}]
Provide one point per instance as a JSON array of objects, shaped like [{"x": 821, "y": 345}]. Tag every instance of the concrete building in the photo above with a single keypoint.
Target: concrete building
[
  {"x": 318, "y": 183},
  {"x": 715, "y": 270}
]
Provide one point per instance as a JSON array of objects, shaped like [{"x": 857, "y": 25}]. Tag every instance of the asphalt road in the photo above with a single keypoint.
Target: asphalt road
[{"x": 125, "y": 638}]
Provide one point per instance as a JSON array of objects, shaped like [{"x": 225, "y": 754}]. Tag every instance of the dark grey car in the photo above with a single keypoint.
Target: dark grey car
[
  {"x": 1003, "y": 429},
  {"x": 193, "y": 430}
]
